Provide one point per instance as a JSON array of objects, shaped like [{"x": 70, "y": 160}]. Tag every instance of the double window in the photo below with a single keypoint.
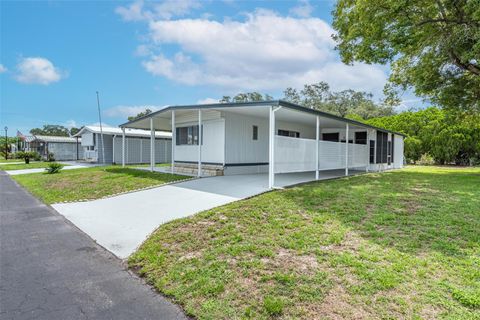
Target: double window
[
  {"x": 288, "y": 133},
  {"x": 187, "y": 135}
]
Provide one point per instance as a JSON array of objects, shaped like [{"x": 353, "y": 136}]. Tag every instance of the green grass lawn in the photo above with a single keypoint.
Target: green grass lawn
[
  {"x": 90, "y": 183},
  {"x": 397, "y": 245},
  {"x": 23, "y": 165},
  {"x": 2, "y": 160}
]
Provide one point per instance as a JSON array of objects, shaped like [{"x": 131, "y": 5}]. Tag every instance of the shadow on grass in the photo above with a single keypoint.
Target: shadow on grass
[
  {"x": 139, "y": 173},
  {"x": 413, "y": 212}
]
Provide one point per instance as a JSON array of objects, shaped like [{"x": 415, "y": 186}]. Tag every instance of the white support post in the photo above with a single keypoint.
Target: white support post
[
  {"x": 123, "y": 147},
  {"x": 317, "y": 141},
  {"x": 152, "y": 145},
  {"x": 174, "y": 140},
  {"x": 113, "y": 149},
  {"x": 271, "y": 156},
  {"x": 199, "y": 170},
  {"x": 346, "y": 149},
  {"x": 368, "y": 150}
]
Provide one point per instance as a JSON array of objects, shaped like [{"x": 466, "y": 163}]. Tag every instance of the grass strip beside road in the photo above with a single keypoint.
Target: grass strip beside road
[{"x": 90, "y": 183}]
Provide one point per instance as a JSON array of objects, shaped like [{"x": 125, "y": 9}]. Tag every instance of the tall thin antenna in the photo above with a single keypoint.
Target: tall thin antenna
[{"x": 101, "y": 129}]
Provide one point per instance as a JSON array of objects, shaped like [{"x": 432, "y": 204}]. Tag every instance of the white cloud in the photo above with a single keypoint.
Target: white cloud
[
  {"x": 37, "y": 70},
  {"x": 265, "y": 51},
  {"x": 2, "y": 68},
  {"x": 166, "y": 9},
  {"x": 303, "y": 10},
  {"x": 127, "y": 111},
  {"x": 207, "y": 101},
  {"x": 71, "y": 124}
]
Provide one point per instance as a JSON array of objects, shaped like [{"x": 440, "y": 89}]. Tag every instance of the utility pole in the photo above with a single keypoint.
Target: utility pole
[
  {"x": 6, "y": 143},
  {"x": 101, "y": 130}
]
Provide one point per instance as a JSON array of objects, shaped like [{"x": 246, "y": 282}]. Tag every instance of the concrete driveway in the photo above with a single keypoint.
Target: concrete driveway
[{"x": 122, "y": 223}]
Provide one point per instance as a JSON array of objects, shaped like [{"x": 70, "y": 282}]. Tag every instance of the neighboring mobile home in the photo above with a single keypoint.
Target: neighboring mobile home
[
  {"x": 137, "y": 145},
  {"x": 62, "y": 148},
  {"x": 274, "y": 137}
]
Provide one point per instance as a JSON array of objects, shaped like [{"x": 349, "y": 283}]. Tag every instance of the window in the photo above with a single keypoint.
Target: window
[
  {"x": 382, "y": 147},
  {"x": 288, "y": 133},
  {"x": 187, "y": 135},
  {"x": 361, "y": 137},
  {"x": 255, "y": 132},
  {"x": 372, "y": 151},
  {"x": 330, "y": 137}
]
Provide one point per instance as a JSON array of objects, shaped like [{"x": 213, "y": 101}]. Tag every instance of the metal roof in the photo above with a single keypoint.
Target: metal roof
[
  {"x": 51, "y": 139},
  {"x": 262, "y": 103},
  {"x": 128, "y": 132}
]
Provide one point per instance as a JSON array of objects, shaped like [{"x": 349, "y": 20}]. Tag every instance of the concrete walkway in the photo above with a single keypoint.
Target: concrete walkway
[
  {"x": 122, "y": 223},
  {"x": 52, "y": 270},
  {"x": 70, "y": 165}
]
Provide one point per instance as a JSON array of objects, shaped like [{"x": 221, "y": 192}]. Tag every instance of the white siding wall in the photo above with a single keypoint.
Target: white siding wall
[
  {"x": 87, "y": 139},
  {"x": 213, "y": 143},
  {"x": 239, "y": 145}
]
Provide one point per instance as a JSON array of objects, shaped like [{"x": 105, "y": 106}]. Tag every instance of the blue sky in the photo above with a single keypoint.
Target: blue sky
[{"x": 55, "y": 55}]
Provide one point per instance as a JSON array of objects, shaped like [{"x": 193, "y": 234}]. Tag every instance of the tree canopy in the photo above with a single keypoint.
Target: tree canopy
[
  {"x": 433, "y": 45},
  {"x": 447, "y": 136},
  {"x": 140, "y": 114},
  {"x": 346, "y": 103},
  {"x": 246, "y": 97},
  {"x": 51, "y": 130}
]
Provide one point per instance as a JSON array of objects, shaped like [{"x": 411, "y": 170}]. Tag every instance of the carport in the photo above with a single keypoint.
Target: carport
[{"x": 277, "y": 138}]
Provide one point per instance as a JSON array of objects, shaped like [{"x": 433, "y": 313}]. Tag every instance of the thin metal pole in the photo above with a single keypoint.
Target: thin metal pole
[
  {"x": 6, "y": 143},
  {"x": 101, "y": 129},
  {"x": 317, "y": 138},
  {"x": 271, "y": 157},
  {"x": 346, "y": 149},
  {"x": 123, "y": 147},
  {"x": 174, "y": 142},
  {"x": 152, "y": 145},
  {"x": 199, "y": 173}
]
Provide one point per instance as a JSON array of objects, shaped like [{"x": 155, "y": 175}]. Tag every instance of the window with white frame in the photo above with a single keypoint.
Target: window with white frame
[{"x": 187, "y": 135}]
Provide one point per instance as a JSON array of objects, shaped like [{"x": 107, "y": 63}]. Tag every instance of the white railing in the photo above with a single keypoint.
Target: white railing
[
  {"x": 90, "y": 155},
  {"x": 294, "y": 154},
  {"x": 297, "y": 155}
]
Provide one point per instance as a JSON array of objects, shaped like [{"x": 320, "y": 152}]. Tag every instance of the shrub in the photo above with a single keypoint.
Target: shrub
[
  {"x": 27, "y": 155},
  {"x": 53, "y": 167},
  {"x": 50, "y": 157},
  {"x": 426, "y": 160}
]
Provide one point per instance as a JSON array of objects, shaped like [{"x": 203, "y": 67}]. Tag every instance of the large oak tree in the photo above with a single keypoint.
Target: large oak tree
[{"x": 433, "y": 45}]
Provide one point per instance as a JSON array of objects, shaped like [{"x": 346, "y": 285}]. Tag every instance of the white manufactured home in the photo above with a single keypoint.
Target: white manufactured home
[
  {"x": 271, "y": 137},
  {"x": 136, "y": 143}
]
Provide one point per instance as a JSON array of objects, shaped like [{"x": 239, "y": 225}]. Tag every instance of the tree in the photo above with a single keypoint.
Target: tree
[
  {"x": 246, "y": 97},
  {"x": 74, "y": 131},
  {"x": 346, "y": 103},
  {"x": 433, "y": 45},
  {"x": 446, "y": 135},
  {"x": 140, "y": 114},
  {"x": 51, "y": 130}
]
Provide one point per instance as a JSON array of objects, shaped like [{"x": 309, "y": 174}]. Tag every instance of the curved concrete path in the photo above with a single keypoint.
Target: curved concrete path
[
  {"x": 122, "y": 223},
  {"x": 51, "y": 270}
]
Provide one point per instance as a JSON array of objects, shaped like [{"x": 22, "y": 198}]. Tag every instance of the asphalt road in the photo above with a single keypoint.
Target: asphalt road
[{"x": 51, "y": 270}]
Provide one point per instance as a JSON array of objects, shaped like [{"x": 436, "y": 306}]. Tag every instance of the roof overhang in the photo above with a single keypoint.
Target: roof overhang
[{"x": 162, "y": 118}]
